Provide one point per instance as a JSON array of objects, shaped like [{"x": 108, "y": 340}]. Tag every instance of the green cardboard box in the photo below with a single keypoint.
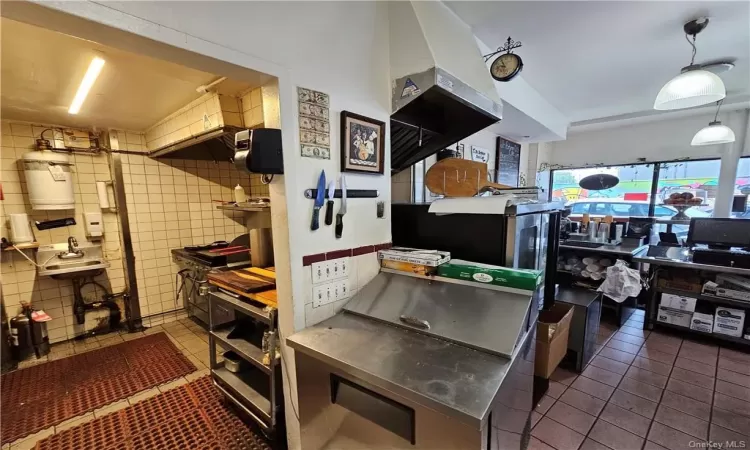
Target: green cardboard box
[{"x": 484, "y": 273}]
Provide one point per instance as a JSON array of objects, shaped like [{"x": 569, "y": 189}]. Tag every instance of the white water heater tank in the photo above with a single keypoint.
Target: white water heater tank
[{"x": 49, "y": 180}]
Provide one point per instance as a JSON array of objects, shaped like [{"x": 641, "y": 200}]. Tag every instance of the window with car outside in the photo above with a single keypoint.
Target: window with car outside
[{"x": 689, "y": 184}]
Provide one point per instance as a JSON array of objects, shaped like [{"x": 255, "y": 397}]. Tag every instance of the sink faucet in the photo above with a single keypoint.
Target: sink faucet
[{"x": 73, "y": 250}]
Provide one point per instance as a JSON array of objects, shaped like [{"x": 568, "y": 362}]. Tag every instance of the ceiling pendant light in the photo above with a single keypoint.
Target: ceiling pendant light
[
  {"x": 714, "y": 133},
  {"x": 694, "y": 86}
]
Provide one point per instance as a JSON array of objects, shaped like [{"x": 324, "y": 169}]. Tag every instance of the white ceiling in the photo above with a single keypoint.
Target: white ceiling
[
  {"x": 41, "y": 71},
  {"x": 595, "y": 59}
]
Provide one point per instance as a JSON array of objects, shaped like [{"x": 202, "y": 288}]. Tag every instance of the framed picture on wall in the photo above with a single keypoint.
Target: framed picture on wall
[{"x": 362, "y": 144}]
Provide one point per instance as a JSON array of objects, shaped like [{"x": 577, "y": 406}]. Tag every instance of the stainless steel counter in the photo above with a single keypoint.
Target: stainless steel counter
[
  {"x": 620, "y": 250},
  {"x": 682, "y": 258},
  {"x": 455, "y": 380}
]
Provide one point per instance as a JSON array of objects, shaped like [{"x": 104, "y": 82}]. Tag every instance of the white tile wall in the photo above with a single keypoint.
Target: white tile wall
[
  {"x": 186, "y": 121},
  {"x": 170, "y": 205},
  {"x": 20, "y": 283}
]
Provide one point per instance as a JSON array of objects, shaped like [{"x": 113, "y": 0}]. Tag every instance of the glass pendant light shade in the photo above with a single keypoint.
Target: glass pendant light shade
[
  {"x": 693, "y": 87},
  {"x": 714, "y": 133}
]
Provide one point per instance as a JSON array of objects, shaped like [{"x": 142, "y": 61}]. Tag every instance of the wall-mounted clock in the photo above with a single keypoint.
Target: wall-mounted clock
[{"x": 507, "y": 65}]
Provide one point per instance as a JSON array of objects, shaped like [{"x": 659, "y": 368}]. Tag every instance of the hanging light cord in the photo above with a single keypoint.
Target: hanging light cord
[
  {"x": 718, "y": 107},
  {"x": 692, "y": 44}
]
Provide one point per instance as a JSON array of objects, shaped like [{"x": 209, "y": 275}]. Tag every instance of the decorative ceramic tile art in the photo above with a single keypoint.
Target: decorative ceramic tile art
[{"x": 314, "y": 124}]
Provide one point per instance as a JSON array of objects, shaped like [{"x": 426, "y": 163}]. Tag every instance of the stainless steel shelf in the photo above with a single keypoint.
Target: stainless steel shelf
[
  {"x": 249, "y": 396},
  {"x": 722, "y": 337},
  {"x": 710, "y": 298},
  {"x": 244, "y": 307},
  {"x": 245, "y": 208},
  {"x": 245, "y": 349}
]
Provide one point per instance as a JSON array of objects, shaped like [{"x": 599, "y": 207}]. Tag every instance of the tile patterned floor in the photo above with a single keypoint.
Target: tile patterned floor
[
  {"x": 647, "y": 390},
  {"x": 190, "y": 338}
]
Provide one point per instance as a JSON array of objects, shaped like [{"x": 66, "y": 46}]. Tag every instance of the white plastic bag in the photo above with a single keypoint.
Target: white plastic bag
[{"x": 621, "y": 282}]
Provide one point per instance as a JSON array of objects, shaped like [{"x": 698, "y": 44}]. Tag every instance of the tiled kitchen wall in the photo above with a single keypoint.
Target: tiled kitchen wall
[
  {"x": 220, "y": 110},
  {"x": 20, "y": 283},
  {"x": 171, "y": 205}
]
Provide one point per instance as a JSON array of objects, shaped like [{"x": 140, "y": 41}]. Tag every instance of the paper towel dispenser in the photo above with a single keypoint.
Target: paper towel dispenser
[{"x": 259, "y": 151}]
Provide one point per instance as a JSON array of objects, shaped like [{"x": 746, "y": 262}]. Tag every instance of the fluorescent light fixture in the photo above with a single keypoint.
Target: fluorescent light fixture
[
  {"x": 714, "y": 133},
  {"x": 88, "y": 81},
  {"x": 693, "y": 87}
]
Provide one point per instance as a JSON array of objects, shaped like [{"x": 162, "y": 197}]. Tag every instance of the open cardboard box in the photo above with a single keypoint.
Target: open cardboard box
[{"x": 552, "y": 338}]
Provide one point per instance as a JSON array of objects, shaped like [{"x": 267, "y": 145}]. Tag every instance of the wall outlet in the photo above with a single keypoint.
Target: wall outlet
[{"x": 330, "y": 292}]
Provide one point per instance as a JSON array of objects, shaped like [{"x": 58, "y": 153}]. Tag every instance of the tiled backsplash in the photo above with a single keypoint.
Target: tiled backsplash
[{"x": 170, "y": 205}]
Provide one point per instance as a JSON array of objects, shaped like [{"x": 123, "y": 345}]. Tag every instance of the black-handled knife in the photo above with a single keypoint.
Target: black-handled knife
[
  {"x": 319, "y": 199},
  {"x": 329, "y": 203},
  {"x": 342, "y": 210}
]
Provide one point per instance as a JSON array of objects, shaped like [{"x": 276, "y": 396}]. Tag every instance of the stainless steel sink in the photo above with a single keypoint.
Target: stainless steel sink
[{"x": 91, "y": 263}]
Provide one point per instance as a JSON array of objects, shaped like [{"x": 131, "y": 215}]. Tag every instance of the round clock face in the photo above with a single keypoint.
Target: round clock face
[{"x": 506, "y": 66}]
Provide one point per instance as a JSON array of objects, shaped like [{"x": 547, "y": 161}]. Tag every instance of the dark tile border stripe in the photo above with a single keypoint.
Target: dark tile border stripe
[{"x": 336, "y": 254}]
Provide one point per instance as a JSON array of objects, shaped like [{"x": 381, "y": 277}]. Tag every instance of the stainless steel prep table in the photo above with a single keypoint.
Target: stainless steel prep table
[{"x": 364, "y": 383}]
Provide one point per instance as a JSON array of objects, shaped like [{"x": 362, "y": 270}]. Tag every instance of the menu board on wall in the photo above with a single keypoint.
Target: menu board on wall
[{"x": 507, "y": 162}]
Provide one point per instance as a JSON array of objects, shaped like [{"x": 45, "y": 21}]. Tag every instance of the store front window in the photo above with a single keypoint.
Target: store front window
[
  {"x": 635, "y": 194},
  {"x": 629, "y": 198},
  {"x": 742, "y": 190},
  {"x": 699, "y": 179}
]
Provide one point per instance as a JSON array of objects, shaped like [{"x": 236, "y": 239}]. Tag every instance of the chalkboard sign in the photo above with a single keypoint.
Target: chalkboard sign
[{"x": 507, "y": 162}]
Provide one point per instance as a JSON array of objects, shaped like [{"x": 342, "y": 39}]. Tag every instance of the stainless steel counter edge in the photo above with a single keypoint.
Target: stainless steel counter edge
[
  {"x": 609, "y": 249},
  {"x": 642, "y": 258},
  {"x": 463, "y": 415}
]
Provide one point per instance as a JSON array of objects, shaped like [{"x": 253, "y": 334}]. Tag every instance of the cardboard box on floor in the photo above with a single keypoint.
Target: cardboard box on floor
[{"x": 552, "y": 338}]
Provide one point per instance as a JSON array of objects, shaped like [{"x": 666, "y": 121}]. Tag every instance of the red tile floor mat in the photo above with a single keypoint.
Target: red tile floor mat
[
  {"x": 47, "y": 394},
  {"x": 191, "y": 416}
]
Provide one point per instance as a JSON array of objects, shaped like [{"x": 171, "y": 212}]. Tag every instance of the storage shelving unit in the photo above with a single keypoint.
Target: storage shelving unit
[{"x": 256, "y": 388}]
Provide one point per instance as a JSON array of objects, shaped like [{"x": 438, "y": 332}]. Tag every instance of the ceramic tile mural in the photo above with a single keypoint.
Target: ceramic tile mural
[{"x": 314, "y": 124}]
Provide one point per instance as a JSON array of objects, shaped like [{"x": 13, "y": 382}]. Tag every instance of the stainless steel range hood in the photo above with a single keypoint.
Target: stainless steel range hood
[
  {"x": 441, "y": 89},
  {"x": 214, "y": 145}
]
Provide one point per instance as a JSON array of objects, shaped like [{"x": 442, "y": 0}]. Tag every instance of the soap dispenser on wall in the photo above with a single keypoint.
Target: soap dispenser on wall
[{"x": 93, "y": 224}]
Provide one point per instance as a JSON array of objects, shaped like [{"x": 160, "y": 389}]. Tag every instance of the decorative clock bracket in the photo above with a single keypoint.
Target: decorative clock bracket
[{"x": 509, "y": 45}]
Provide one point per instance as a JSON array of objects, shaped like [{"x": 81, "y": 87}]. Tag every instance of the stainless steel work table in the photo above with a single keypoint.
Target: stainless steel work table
[{"x": 679, "y": 258}]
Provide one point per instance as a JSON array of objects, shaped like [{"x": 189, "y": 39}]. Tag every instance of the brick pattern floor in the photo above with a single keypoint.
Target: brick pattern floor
[{"x": 647, "y": 390}]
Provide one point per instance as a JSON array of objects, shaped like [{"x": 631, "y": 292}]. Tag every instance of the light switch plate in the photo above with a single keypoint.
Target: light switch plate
[
  {"x": 325, "y": 271},
  {"x": 325, "y": 293},
  {"x": 319, "y": 272}
]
